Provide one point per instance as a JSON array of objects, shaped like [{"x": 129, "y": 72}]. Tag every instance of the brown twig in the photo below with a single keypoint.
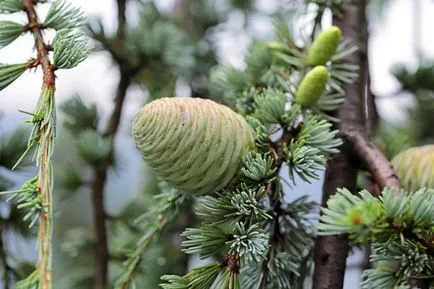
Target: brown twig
[
  {"x": 49, "y": 78},
  {"x": 41, "y": 47},
  {"x": 373, "y": 160}
]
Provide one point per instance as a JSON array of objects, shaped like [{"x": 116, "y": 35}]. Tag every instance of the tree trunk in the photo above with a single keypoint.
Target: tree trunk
[{"x": 357, "y": 113}]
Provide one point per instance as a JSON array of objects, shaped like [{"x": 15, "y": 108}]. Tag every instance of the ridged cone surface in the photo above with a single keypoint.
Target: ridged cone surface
[
  {"x": 312, "y": 86},
  {"x": 324, "y": 46},
  {"x": 196, "y": 145},
  {"x": 415, "y": 167}
]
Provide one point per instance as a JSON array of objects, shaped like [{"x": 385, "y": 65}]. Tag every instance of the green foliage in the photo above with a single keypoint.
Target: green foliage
[
  {"x": 10, "y": 72},
  {"x": 316, "y": 132},
  {"x": 63, "y": 15},
  {"x": 230, "y": 207},
  {"x": 12, "y": 147},
  {"x": 199, "y": 278},
  {"x": 34, "y": 198},
  {"x": 69, "y": 49},
  {"x": 9, "y": 31},
  {"x": 401, "y": 229},
  {"x": 206, "y": 241},
  {"x": 304, "y": 161},
  {"x": 11, "y": 6},
  {"x": 163, "y": 39},
  {"x": 250, "y": 244},
  {"x": 258, "y": 167},
  {"x": 29, "y": 198},
  {"x": 156, "y": 50},
  {"x": 95, "y": 149},
  {"x": 261, "y": 239},
  {"x": 79, "y": 116},
  {"x": 152, "y": 222},
  {"x": 270, "y": 106},
  {"x": 417, "y": 82}
]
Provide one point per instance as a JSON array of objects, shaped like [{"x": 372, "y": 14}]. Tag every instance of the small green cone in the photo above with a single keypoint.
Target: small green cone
[
  {"x": 312, "y": 86},
  {"x": 276, "y": 45},
  {"x": 195, "y": 145},
  {"x": 324, "y": 46},
  {"x": 415, "y": 167}
]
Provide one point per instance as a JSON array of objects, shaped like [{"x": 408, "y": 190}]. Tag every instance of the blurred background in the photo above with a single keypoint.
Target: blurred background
[{"x": 185, "y": 39}]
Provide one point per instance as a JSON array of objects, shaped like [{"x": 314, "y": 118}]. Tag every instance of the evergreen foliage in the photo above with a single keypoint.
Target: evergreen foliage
[
  {"x": 16, "y": 218},
  {"x": 400, "y": 229},
  {"x": 248, "y": 226},
  {"x": 69, "y": 51}
]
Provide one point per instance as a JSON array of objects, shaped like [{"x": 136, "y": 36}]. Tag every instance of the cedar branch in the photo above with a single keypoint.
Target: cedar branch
[
  {"x": 48, "y": 83},
  {"x": 102, "y": 254}
]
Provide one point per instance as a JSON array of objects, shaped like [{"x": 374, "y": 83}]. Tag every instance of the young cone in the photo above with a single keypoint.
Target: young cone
[
  {"x": 195, "y": 145},
  {"x": 312, "y": 86},
  {"x": 415, "y": 167},
  {"x": 324, "y": 46}
]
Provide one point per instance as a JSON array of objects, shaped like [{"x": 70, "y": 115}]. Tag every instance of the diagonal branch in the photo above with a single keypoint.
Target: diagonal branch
[
  {"x": 102, "y": 255},
  {"x": 373, "y": 160}
]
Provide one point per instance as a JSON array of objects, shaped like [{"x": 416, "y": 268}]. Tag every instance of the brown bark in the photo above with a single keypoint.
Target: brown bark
[
  {"x": 331, "y": 251},
  {"x": 373, "y": 160},
  {"x": 99, "y": 218}
]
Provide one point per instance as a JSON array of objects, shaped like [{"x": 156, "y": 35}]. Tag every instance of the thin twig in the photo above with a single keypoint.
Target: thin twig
[
  {"x": 41, "y": 46},
  {"x": 273, "y": 192},
  {"x": 45, "y": 141},
  {"x": 132, "y": 268}
]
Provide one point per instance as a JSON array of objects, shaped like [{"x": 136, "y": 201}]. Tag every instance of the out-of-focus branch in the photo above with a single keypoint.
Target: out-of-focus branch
[{"x": 102, "y": 255}]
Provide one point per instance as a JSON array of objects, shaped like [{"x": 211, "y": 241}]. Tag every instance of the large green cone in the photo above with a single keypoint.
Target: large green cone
[
  {"x": 196, "y": 145},
  {"x": 415, "y": 167}
]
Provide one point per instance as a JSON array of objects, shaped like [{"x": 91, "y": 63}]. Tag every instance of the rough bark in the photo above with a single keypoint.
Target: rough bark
[
  {"x": 331, "y": 251},
  {"x": 355, "y": 114}
]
